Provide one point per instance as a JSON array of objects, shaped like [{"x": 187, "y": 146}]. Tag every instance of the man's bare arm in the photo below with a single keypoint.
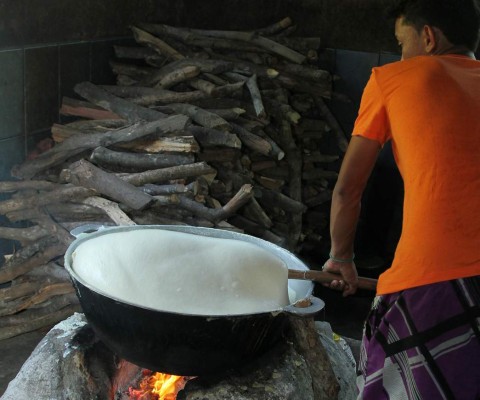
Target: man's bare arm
[{"x": 356, "y": 168}]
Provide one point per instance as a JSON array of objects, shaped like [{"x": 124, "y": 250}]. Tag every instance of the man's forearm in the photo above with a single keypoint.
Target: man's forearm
[
  {"x": 344, "y": 216},
  {"x": 345, "y": 211}
]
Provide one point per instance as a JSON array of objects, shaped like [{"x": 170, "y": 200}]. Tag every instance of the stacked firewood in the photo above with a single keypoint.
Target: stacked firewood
[{"x": 221, "y": 129}]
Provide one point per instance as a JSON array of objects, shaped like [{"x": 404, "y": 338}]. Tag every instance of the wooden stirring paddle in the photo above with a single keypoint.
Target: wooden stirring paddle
[{"x": 327, "y": 277}]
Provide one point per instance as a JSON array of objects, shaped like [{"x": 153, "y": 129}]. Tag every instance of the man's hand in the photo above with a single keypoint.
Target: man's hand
[{"x": 348, "y": 278}]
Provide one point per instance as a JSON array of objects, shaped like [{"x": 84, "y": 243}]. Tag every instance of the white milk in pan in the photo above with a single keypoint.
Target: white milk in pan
[{"x": 182, "y": 272}]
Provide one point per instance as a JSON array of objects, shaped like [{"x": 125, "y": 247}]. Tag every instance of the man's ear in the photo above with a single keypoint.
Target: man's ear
[{"x": 430, "y": 39}]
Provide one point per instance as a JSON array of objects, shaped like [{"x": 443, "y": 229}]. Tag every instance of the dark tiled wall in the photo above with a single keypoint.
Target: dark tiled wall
[{"x": 33, "y": 82}]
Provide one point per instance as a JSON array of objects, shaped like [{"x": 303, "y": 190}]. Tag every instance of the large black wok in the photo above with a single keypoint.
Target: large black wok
[{"x": 184, "y": 344}]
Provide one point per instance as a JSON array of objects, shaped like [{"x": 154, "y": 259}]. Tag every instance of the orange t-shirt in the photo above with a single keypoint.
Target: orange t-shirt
[{"x": 429, "y": 106}]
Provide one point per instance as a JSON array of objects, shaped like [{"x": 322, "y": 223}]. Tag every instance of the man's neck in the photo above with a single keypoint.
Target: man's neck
[{"x": 454, "y": 49}]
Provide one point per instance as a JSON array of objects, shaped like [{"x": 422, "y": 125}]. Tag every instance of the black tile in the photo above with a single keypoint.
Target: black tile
[
  {"x": 12, "y": 152},
  {"x": 387, "y": 58},
  {"x": 12, "y": 32},
  {"x": 326, "y": 59},
  {"x": 74, "y": 67},
  {"x": 354, "y": 69},
  {"x": 11, "y": 94},
  {"x": 102, "y": 53},
  {"x": 41, "y": 88},
  {"x": 52, "y": 21}
]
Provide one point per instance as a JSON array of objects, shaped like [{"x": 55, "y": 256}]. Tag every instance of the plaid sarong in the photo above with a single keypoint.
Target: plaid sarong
[{"x": 423, "y": 343}]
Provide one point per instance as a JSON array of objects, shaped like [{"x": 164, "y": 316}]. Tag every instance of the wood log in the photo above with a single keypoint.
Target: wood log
[
  {"x": 124, "y": 108},
  {"x": 53, "y": 304},
  {"x": 15, "y": 186},
  {"x": 211, "y": 89},
  {"x": 50, "y": 272},
  {"x": 215, "y": 215},
  {"x": 219, "y": 154},
  {"x": 45, "y": 293},
  {"x": 321, "y": 198},
  {"x": 28, "y": 257},
  {"x": 99, "y": 125},
  {"x": 306, "y": 72},
  {"x": 111, "y": 209},
  {"x": 203, "y": 85},
  {"x": 275, "y": 28},
  {"x": 39, "y": 318},
  {"x": 276, "y": 151},
  {"x": 254, "y": 229},
  {"x": 156, "y": 44},
  {"x": 254, "y": 142},
  {"x": 256, "y": 96},
  {"x": 67, "y": 192},
  {"x": 79, "y": 143},
  {"x": 254, "y": 211},
  {"x": 217, "y": 80},
  {"x": 133, "y": 71},
  {"x": 156, "y": 190},
  {"x": 79, "y": 108},
  {"x": 124, "y": 80},
  {"x": 251, "y": 83},
  {"x": 174, "y": 144},
  {"x": 170, "y": 173},
  {"x": 270, "y": 183},
  {"x": 146, "y": 96},
  {"x": 212, "y": 137},
  {"x": 62, "y": 132},
  {"x": 61, "y": 212},
  {"x": 19, "y": 290},
  {"x": 206, "y": 66},
  {"x": 300, "y": 85},
  {"x": 83, "y": 173},
  {"x": 342, "y": 141},
  {"x": 282, "y": 111},
  {"x": 201, "y": 116},
  {"x": 228, "y": 90},
  {"x": 23, "y": 234},
  {"x": 185, "y": 73},
  {"x": 249, "y": 37},
  {"x": 307, "y": 343},
  {"x": 102, "y": 156},
  {"x": 263, "y": 164},
  {"x": 262, "y": 71},
  {"x": 228, "y": 114},
  {"x": 276, "y": 199},
  {"x": 186, "y": 36},
  {"x": 133, "y": 52}
]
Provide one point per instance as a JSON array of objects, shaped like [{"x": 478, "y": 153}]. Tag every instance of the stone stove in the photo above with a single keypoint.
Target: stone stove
[{"x": 71, "y": 363}]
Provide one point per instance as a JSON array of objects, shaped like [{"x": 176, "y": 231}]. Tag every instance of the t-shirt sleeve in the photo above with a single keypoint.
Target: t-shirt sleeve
[{"x": 372, "y": 121}]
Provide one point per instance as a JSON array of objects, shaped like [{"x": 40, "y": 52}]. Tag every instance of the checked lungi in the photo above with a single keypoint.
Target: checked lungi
[{"x": 423, "y": 343}]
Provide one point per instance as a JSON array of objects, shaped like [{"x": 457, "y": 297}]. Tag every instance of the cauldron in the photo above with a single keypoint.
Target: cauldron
[{"x": 179, "y": 343}]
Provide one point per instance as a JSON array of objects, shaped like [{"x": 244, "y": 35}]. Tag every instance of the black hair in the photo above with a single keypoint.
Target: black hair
[{"x": 459, "y": 20}]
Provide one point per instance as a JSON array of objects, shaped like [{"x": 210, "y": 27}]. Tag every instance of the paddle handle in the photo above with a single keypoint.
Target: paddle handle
[{"x": 327, "y": 277}]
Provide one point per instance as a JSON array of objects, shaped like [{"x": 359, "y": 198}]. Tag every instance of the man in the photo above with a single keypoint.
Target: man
[{"x": 422, "y": 337}]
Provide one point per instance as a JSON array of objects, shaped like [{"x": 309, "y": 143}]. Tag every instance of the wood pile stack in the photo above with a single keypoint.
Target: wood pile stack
[{"x": 220, "y": 129}]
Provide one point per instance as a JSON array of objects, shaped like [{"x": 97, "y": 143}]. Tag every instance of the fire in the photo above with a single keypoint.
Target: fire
[{"x": 158, "y": 386}]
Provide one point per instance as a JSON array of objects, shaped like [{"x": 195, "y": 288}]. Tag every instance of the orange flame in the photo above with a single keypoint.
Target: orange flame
[{"x": 158, "y": 386}]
